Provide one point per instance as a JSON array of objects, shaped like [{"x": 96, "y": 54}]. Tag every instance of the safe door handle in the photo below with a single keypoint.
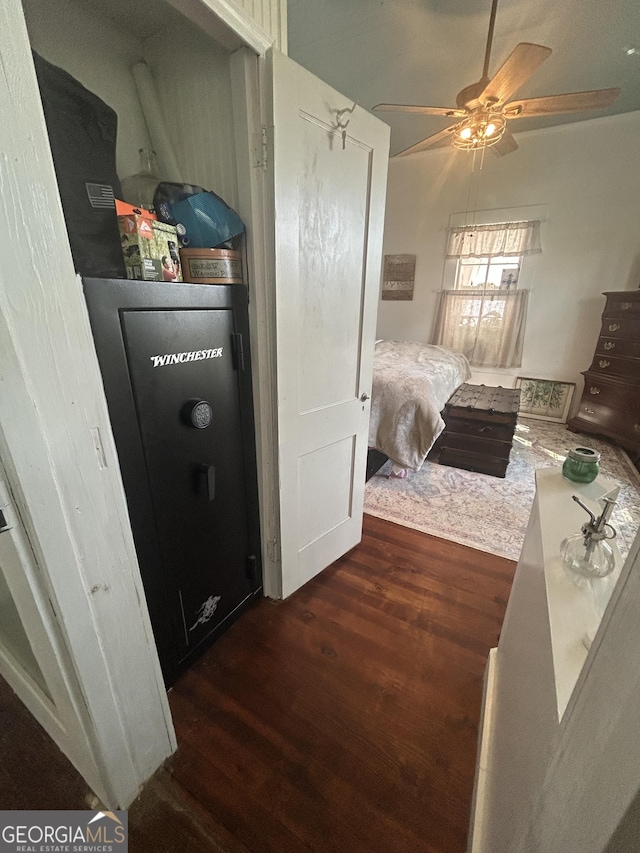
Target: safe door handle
[{"x": 209, "y": 474}]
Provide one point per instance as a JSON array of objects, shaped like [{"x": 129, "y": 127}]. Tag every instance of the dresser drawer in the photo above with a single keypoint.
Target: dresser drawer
[
  {"x": 480, "y": 428},
  {"x": 614, "y": 395},
  {"x": 621, "y": 347},
  {"x": 611, "y": 365},
  {"x": 624, "y": 425},
  {"x": 620, "y": 327},
  {"x": 623, "y": 304}
]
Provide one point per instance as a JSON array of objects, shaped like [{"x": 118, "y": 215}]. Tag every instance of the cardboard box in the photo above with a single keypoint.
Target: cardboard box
[{"x": 150, "y": 248}]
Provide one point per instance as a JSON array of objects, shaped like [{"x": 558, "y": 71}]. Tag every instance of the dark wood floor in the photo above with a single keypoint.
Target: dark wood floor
[{"x": 344, "y": 719}]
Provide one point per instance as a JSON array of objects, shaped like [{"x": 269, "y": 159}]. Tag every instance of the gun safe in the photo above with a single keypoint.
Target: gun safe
[{"x": 176, "y": 372}]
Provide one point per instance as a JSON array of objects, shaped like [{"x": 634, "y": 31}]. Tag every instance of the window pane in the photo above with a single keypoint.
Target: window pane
[
  {"x": 496, "y": 272},
  {"x": 471, "y": 274},
  {"x": 487, "y": 273}
]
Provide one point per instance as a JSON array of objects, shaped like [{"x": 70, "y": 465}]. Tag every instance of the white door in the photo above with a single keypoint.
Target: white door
[{"x": 329, "y": 214}]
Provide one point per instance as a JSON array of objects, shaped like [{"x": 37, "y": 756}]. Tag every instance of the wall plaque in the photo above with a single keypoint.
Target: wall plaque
[{"x": 398, "y": 276}]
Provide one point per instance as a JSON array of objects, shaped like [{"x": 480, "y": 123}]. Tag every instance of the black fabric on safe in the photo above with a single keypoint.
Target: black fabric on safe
[{"x": 82, "y": 134}]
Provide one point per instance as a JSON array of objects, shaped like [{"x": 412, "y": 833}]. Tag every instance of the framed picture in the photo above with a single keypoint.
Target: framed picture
[
  {"x": 509, "y": 278},
  {"x": 398, "y": 277},
  {"x": 545, "y": 399}
]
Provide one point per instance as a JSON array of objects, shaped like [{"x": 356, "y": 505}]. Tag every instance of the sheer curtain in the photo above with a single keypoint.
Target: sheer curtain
[{"x": 486, "y": 325}]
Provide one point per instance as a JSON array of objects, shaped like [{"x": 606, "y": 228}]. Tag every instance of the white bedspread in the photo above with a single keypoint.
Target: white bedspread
[{"x": 411, "y": 384}]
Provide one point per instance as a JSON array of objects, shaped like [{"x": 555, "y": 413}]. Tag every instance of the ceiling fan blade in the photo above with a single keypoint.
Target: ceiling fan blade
[
  {"x": 425, "y": 111},
  {"x": 505, "y": 145},
  {"x": 569, "y": 103},
  {"x": 433, "y": 141},
  {"x": 514, "y": 72}
]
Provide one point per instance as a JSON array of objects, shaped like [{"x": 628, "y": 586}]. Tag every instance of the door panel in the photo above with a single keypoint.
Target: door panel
[
  {"x": 329, "y": 205},
  {"x": 327, "y": 473},
  {"x": 332, "y": 236}
]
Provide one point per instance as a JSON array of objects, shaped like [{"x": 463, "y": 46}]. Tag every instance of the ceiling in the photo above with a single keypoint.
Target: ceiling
[{"x": 425, "y": 51}]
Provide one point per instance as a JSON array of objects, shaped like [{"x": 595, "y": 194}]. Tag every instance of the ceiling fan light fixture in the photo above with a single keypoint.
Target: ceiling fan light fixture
[
  {"x": 480, "y": 130},
  {"x": 484, "y": 108}
]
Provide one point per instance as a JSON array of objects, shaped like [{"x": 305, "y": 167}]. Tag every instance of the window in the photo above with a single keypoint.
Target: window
[
  {"x": 484, "y": 315},
  {"x": 488, "y": 273}
]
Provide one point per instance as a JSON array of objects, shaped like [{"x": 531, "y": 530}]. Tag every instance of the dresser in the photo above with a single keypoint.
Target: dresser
[
  {"x": 479, "y": 426},
  {"x": 610, "y": 403}
]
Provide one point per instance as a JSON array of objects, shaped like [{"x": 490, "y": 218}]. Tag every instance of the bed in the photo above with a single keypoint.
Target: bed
[{"x": 411, "y": 384}]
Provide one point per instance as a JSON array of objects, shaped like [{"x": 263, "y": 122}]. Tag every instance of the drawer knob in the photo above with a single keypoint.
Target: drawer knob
[
  {"x": 613, "y": 327},
  {"x": 636, "y": 427},
  {"x": 594, "y": 390},
  {"x": 589, "y": 410},
  {"x": 625, "y": 306},
  {"x": 609, "y": 345},
  {"x": 604, "y": 363}
]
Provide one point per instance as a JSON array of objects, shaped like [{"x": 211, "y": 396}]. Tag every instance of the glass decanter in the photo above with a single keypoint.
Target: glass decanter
[
  {"x": 139, "y": 189},
  {"x": 588, "y": 553}
]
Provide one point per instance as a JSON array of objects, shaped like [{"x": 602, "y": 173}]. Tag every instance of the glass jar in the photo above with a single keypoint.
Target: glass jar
[
  {"x": 139, "y": 189},
  {"x": 581, "y": 465}
]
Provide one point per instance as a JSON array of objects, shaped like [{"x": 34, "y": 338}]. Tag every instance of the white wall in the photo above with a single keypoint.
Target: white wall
[
  {"x": 586, "y": 175},
  {"x": 195, "y": 95},
  {"x": 100, "y": 55},
  {"x": 270, "y": 16}
]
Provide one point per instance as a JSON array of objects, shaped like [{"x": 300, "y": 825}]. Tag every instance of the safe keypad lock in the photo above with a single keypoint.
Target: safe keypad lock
[{"x": 197, "y": 413}]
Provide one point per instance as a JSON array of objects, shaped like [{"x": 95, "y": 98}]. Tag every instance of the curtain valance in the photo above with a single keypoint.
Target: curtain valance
[{"x": 502, "y": 239}]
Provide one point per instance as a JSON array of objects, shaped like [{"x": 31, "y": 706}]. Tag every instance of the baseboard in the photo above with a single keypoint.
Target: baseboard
[{"x": 479, "y": 804}]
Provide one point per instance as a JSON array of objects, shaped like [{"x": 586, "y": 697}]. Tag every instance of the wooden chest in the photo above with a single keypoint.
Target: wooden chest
[
  {"x": 610, "y": 403},
  {"x": 480, "y": 422}
]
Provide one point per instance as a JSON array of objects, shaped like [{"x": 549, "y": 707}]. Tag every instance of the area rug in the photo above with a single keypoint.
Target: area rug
[{"x": 489, "y": 513}]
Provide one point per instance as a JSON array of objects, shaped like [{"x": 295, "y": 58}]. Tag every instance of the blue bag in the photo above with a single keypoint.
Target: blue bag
[{"x": 208, "y": 220}]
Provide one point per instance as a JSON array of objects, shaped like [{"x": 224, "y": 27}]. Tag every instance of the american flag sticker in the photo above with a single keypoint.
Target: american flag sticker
[{"x": 100, "y": 195}]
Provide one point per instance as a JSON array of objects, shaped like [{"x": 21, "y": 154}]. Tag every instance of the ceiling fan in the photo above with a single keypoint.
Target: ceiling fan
[{"x": 483, "y": 109}]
